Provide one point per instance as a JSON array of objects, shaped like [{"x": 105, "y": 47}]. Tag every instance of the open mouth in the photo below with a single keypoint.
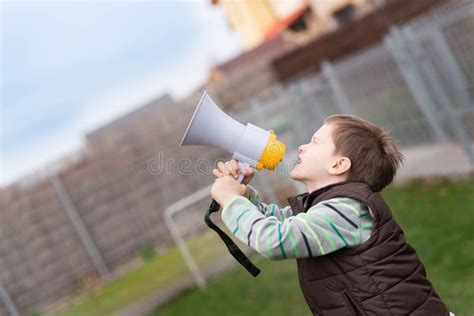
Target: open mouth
[{"x": 299, "y": 160}]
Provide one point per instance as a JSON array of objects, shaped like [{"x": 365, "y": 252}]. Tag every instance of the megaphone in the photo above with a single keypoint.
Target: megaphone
[{"x": 250, "y": 144}]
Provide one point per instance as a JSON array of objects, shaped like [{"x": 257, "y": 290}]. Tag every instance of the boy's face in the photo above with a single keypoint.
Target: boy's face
[{"x": 316, "y": 157}]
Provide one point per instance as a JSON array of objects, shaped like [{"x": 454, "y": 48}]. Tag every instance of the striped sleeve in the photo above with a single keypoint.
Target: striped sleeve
[
  {"x": 324, "y": 228},
  {"x": 267, "y": 209}
]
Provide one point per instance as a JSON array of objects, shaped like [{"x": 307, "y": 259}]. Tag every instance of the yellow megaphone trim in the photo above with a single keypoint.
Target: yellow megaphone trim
[{"x": 272, "y": 153}]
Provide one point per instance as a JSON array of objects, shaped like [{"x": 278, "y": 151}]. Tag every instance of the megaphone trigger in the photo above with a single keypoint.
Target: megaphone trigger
[{"x": 242, "y": 167}]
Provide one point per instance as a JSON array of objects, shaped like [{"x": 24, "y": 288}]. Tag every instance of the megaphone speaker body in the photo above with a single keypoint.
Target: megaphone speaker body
[{"x": 250, "y": 144}]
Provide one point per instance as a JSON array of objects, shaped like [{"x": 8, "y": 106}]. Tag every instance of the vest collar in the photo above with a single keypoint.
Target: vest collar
[{"x": 299, "y": 203}]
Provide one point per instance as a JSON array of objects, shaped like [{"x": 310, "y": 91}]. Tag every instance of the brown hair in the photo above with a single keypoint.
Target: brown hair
[{"x": 374, "y": 155}]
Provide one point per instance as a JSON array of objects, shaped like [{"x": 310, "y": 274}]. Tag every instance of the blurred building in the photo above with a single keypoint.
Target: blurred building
[
  {"x": 270, "y": 29},
  {"x": 330, "y": 14},
  {"x": 289, "y": 39},
  {"x": 259, "y": 20},
  {"x": 238, "y": 79}
]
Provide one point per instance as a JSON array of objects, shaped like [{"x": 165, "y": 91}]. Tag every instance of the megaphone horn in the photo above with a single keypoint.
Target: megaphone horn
[{"x": 250, "y": 144}]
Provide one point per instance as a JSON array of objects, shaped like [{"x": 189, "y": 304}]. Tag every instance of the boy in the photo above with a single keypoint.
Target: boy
[{"x": 351, "y": 254}]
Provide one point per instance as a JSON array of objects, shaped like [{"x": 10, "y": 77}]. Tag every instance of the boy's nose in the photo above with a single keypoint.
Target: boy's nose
[{"x": 300, "y": 149}]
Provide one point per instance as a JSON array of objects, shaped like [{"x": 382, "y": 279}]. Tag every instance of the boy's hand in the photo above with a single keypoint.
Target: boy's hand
[
  {"x": 232, "y": 168},
  {"x": 226, "y": 188}
]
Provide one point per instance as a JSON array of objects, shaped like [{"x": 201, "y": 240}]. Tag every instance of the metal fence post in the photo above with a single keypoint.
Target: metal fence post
[
  {"x": 78, "y": 224},
  {"x": 408, "y": 68},
  {"x": 5, "y": 296},
  {"x": 284, "y": 98},
  {"x": 316, "y": 107},
  {"x": 342, "y": 102},
  {"x": 451, "y": 67},
  {"x": 257, "y": 112},
  {"x": 438, "y": 89}
]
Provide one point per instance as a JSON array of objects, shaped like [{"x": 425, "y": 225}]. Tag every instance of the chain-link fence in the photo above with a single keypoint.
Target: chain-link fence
[
  {"x": 417, "y": 84},
  {"x": 92, "y": 220}
]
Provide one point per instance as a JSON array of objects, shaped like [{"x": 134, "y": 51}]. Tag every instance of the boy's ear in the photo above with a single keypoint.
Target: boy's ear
[{"x": 340, "y": 166}]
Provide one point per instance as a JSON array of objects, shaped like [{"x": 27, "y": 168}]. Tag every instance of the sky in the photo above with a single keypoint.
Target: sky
[{"x": 68, "y": 67}]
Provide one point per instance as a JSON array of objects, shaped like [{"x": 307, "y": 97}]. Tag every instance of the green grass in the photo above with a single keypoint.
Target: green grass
[
  {"x": 438, "y": 220},
  {"x": 274, "y": 292},
  {"x": 437, "y": 217},
  {"x": 157, "y": 272}
]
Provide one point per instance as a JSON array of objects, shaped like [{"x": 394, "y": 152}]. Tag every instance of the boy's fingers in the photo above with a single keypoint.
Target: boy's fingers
[
  {"x": 247, "y": 171},
  {"x": 217, "y": 173},
  {"x": 234, "y": 164},
  {"x": 230, "y": 168},
  {"x": 222, "y": 167}
]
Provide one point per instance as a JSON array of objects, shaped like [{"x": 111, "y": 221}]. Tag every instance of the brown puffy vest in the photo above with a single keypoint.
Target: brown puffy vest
[{"x": 383, "y": 276}]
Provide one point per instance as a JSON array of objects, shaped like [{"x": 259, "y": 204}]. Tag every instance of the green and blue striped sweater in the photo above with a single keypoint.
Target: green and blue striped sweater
[{"x": 277, "y": 234}]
